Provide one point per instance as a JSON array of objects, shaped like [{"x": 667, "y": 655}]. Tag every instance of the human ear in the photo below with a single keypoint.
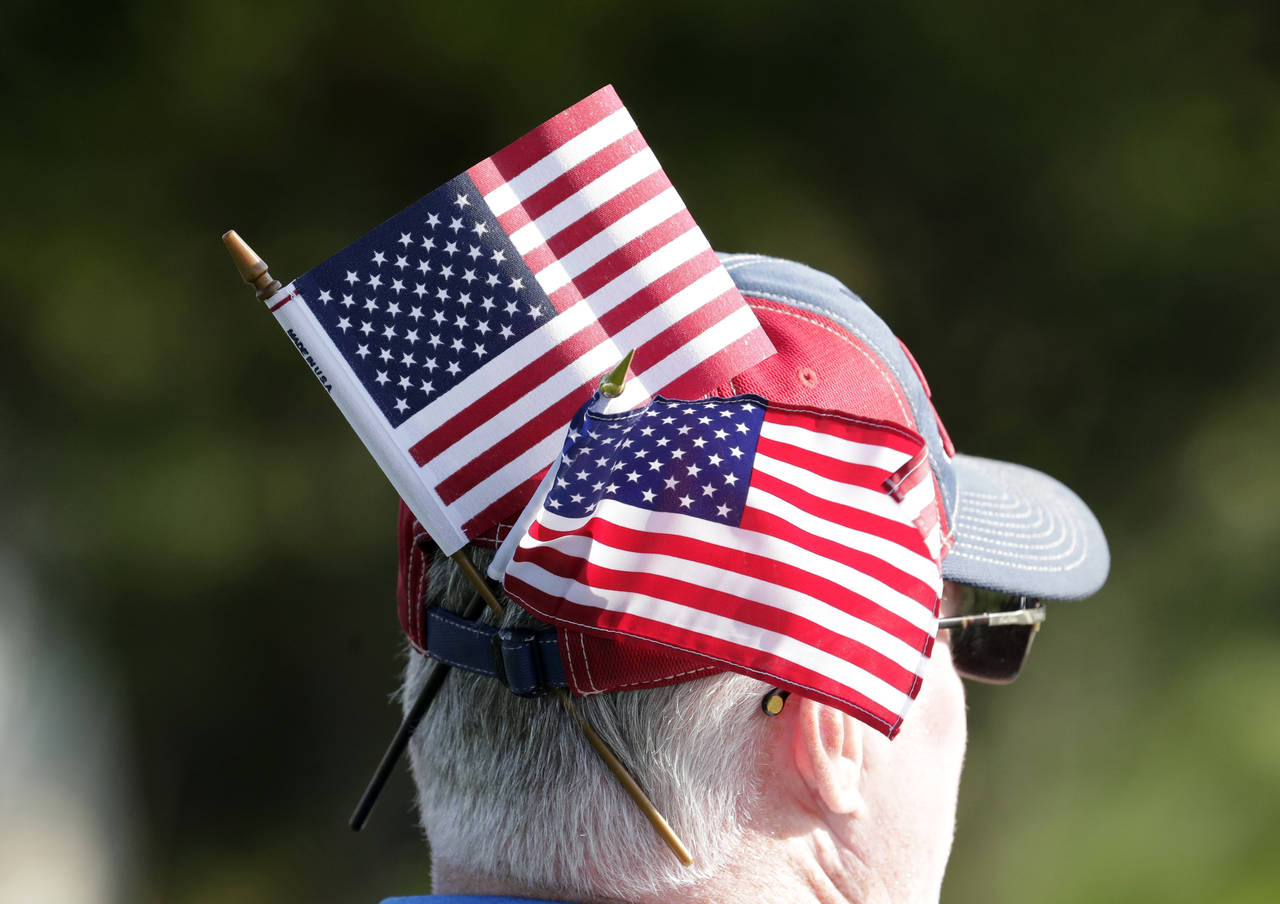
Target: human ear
[{"x": 827, "y": 746}]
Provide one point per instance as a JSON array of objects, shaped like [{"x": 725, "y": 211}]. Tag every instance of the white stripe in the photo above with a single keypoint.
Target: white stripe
[
  {"x": 720, "y": 628},
  {"x": 677, "y": 525},
  {"x": 651, "y": 213},
  {"x": 887, "y": 551},
  {"x": 782, "y": 597},
  {"x": 561, "y": 160},
  {"x": 586, "y": 199},
  {"x": 870, "y": 454},
  {"x": 877, "y": 502}
]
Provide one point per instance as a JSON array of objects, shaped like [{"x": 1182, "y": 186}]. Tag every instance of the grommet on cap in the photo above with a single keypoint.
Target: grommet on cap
[{"x": 774, "y": 701}]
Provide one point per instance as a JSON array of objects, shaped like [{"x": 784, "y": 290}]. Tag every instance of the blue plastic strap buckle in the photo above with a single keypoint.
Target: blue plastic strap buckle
[{"x": 526, "y": 662}]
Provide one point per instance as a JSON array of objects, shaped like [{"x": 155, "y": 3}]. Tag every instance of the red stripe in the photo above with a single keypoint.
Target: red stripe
[
  {"x": 548, "y": 420},
  {"x": 485, "y": 176},
  {"x": 858, "y": 430},
  {"x": 862, "y": 562},
  {"x": 522, "y": 153},
  {"x": 846, "y": 472},
  {"x": 571, "y": 180},
  {"x": 731, "y": 560},
  {"x": 504, "y": 507},
  {"x": 851, "y": 516},
  {"x": 283, "y": 301},
  {"x": 597, "y": 219},
  {"x": 735, "y": 656}
]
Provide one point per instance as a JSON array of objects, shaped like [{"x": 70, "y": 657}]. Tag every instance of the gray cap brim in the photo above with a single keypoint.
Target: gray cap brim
[{"x": 1020, "y": 531}]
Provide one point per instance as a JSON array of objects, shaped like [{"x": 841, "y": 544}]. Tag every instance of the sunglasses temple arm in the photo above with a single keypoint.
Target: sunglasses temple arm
[{"x": 1019, "y": 617}]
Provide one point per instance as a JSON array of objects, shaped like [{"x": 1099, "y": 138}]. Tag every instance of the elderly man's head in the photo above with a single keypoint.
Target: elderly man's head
[
  {"x": 814, "y": 802},
  {"x": 514, "y": 800}
]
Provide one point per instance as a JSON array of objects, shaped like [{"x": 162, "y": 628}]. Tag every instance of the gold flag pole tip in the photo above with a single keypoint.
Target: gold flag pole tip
[
  {"x": 252, "y": 268},
  {"x": 612, "y": 384}
]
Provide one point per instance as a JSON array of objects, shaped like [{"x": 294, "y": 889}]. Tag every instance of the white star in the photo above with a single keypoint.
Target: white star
[
  {"x": 411, "y": 336},
  {"x": 480, "y": 349},
  {"x": 352, "y": 277},
  {"x": 446, "y": 271},
  {"x": 462, "y": 201},
  {"x": 633, "y": 476},
  {"x": 646, "y": 431},
  {"x": 534, "y": 311},
  {"x": 685, "y": 502},
  {"x": 611, "y": 488},
  {"x": 487, "y": 304},
  {"x": 453, "y": 368},
  {"x": 671, "y": 483},
  {"x": 370, "y": 305},
  {"x": 425, "y": 387},
  {"x": 720, "y": 434},
  {"x": 684, "y": 428},
  {"x": 423, "y": 267},
  {"x": 401, "y": 405},
  {"x": 553, "y": 502},
  {"x": 389, "y": 333},
  {"x": 469, "y": 276},
  {"x": 362, "y": 351},
  {"x": 742, "y": 428},
  {"x": 428, "y": 242},
  {"x": 347, "y": 301},
  {"x": 699, "y": 442},
  {"x": 455, "y": 224},
  {"x": 379, "y": 258},
  {"x": 394, "y": 308},
  {"x": 735, "y": 452},
  {"x": 404, "y": 382},
  {"x": 405, "y": 239},
  {"x": 457, "y": 345},
  {"x": 407, "y": 360},
  {"x": 419, "y": 290},
  {"x": 482, "y": 326},
  {"x": 707, "y": 489},
  {"x": 430, "y": 365},
  {"x": 714, "y": 460},
  {"x": 438, "y": 316},
  {"x": 506, "y": 332},
  {"x": 677, "y": 454},
  {"x": 722, "y": 511},
  {"x": 662, "y": 441},
  {"x": 385, "y": 354},
  {"x": 474, "y": 252},
  {"x": 668, "y": 420},
  {"x": 655, "y": 465},
  {"x": 442, "y": 294},
  {"x": 433, "y": 220},
  {"x": 491, "y": 279},
  {"x": 511, "y": 307},
  {"x": 325, "y": 297},
  {"x": 498, "y": 256},
  {"x": 365, "y": 327},
  {"x": 689, "y": 411},
  {"x": 648, "y": 495},
  {"x": 460, "y": 322},
  {"x": 416, "y": 313},
  {"x": 464, "y": 299},
  {"x": 517, "y": 284},
  {"x": 730, "y": 479},
  {"x": 479, "y": 228},
  {"x": 704, "y": 420},
  {"x": 576, "y": 498},
  {"x": 344, "y": 324},
  {"x": 401, "y": 262},
  {"x": 434, "y": 340},
  {"x": 381, "y": 377},
  {"x": 694, "y": 470},
  {"x": 561, "y": 482},
  {"x": 375, "y": 280}
]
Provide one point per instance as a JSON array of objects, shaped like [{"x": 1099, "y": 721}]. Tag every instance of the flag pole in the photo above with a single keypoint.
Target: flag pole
[{"x": 253, "y": 269}]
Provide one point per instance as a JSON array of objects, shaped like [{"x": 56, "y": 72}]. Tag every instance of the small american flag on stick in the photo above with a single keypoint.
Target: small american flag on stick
[
  {"x": 786, "y": 543},
  {"x": 460, "y": 336}
]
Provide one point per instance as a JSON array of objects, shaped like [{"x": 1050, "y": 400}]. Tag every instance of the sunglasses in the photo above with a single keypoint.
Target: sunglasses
[{"x": 991, "y": 635}]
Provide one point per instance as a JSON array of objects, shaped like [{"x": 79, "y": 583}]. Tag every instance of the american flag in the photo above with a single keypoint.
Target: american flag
[
  {"x": 786, "y": 543},
  {"x": 460, "y": 336}
]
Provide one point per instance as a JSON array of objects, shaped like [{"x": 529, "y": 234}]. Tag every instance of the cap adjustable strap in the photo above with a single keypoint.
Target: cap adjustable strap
[{"x": 527, "y": 662}]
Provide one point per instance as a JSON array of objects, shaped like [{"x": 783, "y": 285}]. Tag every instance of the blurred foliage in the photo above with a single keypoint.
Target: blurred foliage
[{"x": 1070, "y": 213}]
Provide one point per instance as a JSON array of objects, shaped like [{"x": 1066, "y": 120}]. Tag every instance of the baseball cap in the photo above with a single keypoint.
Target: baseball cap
[{"x": 1003, "y": 527}]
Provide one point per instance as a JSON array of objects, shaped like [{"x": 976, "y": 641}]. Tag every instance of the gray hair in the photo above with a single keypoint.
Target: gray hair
[{"x": 509, "y": 789}]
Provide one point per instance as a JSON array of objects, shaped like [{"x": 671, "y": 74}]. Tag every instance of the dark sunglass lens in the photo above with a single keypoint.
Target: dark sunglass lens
[{"x": 991, "y": 654}]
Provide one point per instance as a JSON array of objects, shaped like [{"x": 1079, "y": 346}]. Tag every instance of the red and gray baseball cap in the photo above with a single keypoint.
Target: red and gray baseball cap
[{"x": 1004, "y": 527}]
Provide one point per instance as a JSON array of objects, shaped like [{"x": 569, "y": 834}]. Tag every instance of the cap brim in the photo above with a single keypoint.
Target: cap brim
[{"x": 1020, "y": 531}]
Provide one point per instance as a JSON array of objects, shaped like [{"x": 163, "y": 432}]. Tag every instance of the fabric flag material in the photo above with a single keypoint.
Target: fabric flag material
[
  {"x": 460, "y": 336},
  {"x": 786, "y": 543}
]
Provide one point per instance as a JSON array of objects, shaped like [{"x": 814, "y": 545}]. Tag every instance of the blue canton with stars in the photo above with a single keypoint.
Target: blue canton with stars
[
  {"x": 690, "y": 458},
  {"x": 425, "y": 299}
]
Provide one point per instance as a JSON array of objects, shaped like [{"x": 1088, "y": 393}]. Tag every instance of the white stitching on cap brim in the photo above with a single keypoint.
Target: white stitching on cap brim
[{"x": 1063, "y": 548}]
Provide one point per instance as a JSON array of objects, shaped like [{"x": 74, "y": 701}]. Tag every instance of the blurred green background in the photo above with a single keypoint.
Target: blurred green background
[{"x": 1069, "y": 212}]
